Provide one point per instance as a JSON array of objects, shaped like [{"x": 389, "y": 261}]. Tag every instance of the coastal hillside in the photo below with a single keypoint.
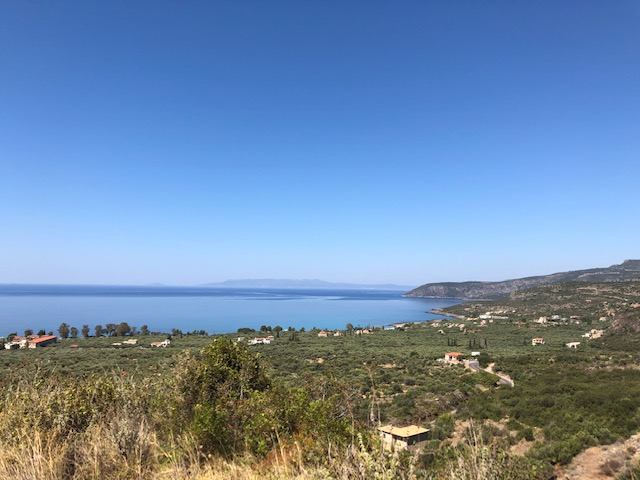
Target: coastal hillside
[
  {"x": 588, "y": 302},
  {"x": 627, "y": 270}
]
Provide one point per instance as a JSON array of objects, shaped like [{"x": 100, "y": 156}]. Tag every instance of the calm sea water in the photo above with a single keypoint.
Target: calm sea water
[{"x": 215, "y": 310}]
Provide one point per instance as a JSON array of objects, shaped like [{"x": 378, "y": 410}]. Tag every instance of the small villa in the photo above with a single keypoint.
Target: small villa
[
  {"x": 453, "y": 357},
  {"x": 572, "y": 344},
  {"x": 164, "y": 343},
  {"x": 323, "y": 334},
  {"x": 42, "y": 341},
  {"x": 593, "y": 334},
  {"x": 365, "y": 331},
  {"x": 32, "y": 341},
  {"x": 537, "y": 341},
  {"x": 402, "y": 438}
]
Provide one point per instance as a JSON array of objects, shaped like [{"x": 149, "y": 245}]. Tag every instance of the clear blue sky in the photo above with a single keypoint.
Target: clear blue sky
[{"x": 360, "y": 141}]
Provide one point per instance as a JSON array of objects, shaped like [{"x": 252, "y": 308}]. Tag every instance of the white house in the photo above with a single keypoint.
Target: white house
[
  {"x": 596, "y": 334},
  {"x": 453, "y": 357},
  {"x": 593, "y": 334},
  {"x": 31, "y": 341}
]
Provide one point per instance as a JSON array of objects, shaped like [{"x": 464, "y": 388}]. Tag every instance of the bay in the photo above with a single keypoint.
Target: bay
[{"x": 214, "y": 310}]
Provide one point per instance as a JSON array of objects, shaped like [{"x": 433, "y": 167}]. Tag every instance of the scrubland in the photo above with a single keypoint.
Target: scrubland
[{"x": 306, "y": 407}]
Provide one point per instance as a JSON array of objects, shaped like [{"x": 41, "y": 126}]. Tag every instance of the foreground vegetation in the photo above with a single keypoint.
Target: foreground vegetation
[
  {"x": 217, "y": 415},
  {"x": 307, "y": 407}
]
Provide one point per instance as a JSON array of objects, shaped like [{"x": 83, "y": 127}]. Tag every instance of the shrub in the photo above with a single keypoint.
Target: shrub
[{"x": 227, "y": 401}]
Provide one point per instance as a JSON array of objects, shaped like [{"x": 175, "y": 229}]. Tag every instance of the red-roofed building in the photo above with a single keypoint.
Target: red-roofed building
[
  {"x": 42, "y": 341},
  {"x": 32, "y": 341},
  {"x": 453, "y": 357}
]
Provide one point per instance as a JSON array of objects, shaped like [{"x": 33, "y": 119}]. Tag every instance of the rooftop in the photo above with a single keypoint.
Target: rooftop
[
  {"x": 409, "y": 431},
  {"x": 44, "y": 338}
]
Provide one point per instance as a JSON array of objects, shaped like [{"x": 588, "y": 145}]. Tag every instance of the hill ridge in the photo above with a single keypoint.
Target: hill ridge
[{"x": 479, "y": 290}]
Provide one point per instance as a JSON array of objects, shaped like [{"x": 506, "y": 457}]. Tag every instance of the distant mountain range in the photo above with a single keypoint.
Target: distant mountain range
[
  {"x": 627, "y": 270},
  {"x": 313, "y": 284}
]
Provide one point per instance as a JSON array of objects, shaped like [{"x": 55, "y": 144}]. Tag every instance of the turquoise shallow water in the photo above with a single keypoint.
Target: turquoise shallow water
[{"x": 215, "y": 310}]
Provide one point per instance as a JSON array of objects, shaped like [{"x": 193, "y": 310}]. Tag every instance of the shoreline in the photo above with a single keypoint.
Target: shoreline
[{"x": 439, "y": 311}]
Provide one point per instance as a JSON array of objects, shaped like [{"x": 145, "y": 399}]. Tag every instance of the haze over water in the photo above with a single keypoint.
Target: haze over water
[{"x": 215, "y": 310}]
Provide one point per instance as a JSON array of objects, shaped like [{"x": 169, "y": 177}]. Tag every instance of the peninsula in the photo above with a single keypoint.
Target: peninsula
[{"x": 627, "y": 270}]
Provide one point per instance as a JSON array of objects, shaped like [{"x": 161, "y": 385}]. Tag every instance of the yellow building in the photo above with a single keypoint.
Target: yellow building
[{"x": 401, "y": 438}]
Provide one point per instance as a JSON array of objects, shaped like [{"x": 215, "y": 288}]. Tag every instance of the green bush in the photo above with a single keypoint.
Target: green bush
[{"x": 228, "y": 402}]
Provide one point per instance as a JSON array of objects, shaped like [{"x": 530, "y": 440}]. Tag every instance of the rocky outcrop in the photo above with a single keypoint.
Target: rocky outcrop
[{"x": 627, "y": 270}]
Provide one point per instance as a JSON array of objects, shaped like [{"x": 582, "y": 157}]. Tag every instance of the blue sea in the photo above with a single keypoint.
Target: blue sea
[{"x": 215, "y": 310}]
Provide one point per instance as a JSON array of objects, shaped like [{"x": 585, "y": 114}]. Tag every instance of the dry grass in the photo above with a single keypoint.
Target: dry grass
[
  {"x": 119, "y": 428},
  {"x": 97, "y": 454},
  {"x": 115, "y": 428}
]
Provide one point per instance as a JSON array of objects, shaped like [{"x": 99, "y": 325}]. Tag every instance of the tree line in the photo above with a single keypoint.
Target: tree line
[
  {"x": 121, "y": 329},
  {"x": 109, "y": 330}
]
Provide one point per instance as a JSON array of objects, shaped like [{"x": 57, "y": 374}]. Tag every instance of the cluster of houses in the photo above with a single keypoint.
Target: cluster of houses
[
  {"x": 324, "y": 333},
  {"x": 593, "y": 334},
  {"x": 497, "y": 315},
  {"x": 37, "y": 341},
  {"x": 364, "y": 331},
  {"x": 259, "y": 341},
  {"x": 413, "y": 437},
  {"x": 459, "y": 326},
  {"x": 557, "y": 318},
  {"x": 30, "y": 341},
  {"x": 328, "y": 333},
  {"x": 134, "y": 341}
]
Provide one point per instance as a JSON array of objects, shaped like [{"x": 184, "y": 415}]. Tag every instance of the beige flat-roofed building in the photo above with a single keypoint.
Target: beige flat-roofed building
[{"x": 403, "y": 437}]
